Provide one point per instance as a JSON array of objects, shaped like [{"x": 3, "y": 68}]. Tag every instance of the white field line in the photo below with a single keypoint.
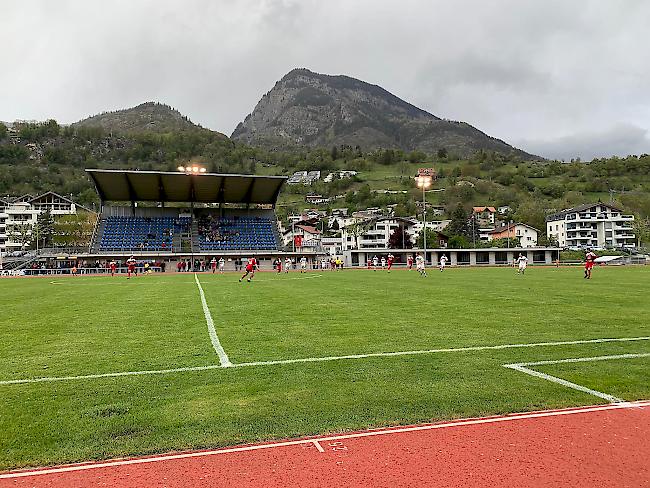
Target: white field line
[
  {"x": 223, "y": 357},
  {"x": 318, "y": 446},
  {"x": 355, "y": 435},
  {"x": 522, "y": 367},
  {"x": 435, "y": 351},
  {"x": 321, "y": 359}
]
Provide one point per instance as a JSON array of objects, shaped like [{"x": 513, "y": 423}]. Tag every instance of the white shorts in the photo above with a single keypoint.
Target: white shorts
[
  {"x": 522, "y": 265},
  {"x": 443, "y": 264}
]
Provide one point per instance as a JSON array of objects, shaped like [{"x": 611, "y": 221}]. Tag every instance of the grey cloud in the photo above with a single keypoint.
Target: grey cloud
[
  {"x": 620, "y": 140},
  {"x": 520, "y": 71}
]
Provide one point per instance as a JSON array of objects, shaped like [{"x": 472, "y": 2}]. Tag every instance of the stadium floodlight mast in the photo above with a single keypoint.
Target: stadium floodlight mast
[
  {"x": 424, "y": 180},
  {"x": 193, "y": 169}
]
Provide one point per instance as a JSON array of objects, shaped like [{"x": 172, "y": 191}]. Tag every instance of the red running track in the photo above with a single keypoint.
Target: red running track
[{"x": 599, "y": 446}]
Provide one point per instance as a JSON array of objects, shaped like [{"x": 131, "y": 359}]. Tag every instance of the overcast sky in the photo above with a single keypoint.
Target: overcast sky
[{"x": 557, "y": 78}]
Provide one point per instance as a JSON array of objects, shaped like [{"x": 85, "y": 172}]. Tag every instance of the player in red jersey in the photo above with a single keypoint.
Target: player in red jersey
[
  {"x": 390, "y": 260},
  {"x": 251, "y": 266},
  {"x": 409, "y": 262},
  {"x": 130, "y": 263},
  {"x": 213, "y": 264},
  {"x": 590, "y": 257},
  {"x": 113, "y": 267}
]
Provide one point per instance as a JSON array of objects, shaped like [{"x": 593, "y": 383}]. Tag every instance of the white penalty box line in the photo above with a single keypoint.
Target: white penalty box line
[
  {"x": 230, "y": 365},
  {"x": 524, "y": 368}
]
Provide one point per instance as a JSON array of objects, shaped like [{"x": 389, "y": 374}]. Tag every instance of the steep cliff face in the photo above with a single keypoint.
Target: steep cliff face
[{"x": 311, "y": 109}]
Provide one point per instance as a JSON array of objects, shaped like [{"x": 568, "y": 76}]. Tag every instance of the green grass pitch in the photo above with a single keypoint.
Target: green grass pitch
[{"x": 54, "y": 327}]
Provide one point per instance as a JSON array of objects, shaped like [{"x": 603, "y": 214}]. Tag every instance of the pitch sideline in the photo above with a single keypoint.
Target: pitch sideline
[{"x": 332, "y": 438}]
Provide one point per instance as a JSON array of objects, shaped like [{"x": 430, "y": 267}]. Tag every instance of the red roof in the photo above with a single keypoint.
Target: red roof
[
  {"x": 309, "y": 228},
  {"x": 483, "y": 209}
]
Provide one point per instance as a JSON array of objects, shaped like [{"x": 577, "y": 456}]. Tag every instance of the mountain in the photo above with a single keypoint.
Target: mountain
[
  {"x": 146, "y": 117},
  {"x": 311, "y": 109}
]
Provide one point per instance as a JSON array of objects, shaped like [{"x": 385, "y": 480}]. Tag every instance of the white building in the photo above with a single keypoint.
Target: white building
[
  {"x": 340, "y": 174},
  {"x": 19, "y": 215},
  {"x": 332, "y": 246},
  {"x": 526, "y": 234},
  {"x": 591, "y": 225},
  {"x": 303, "y": 177},
  {"x": 305, "y": 237}
]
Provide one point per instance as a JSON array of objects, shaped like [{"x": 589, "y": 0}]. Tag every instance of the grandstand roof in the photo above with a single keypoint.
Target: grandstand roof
[{"x": 158, "y": 186}]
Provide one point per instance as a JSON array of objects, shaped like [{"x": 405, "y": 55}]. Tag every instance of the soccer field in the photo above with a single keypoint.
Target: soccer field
[{"x": 85, "y": 362}]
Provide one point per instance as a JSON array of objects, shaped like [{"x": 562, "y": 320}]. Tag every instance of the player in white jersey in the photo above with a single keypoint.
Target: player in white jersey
[
  {"x": 287, "y": 265},
  {"x": 523, "y": 262},
  {"x": 375, "y": 262},
  {"x": 419, "y": 265},
  {"x": 303, "y": 264},
  {"x": 443, "y": 262},
  {"x": 383, "y": 262},
  {"x": 222, "y": 264}
]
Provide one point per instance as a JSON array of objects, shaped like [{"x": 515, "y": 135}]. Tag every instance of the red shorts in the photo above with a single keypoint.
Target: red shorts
[
  {"x": 249, "y": 268},
  {"x": 589, "y": 264},
  {"x": 131, "y": 268}
]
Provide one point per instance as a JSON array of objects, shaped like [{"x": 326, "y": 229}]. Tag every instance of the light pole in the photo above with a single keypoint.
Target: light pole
[{"x": 424, "y": 182}]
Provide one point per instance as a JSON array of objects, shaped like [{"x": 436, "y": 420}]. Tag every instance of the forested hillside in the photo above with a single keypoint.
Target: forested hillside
[{"x": 38, "y": 157}]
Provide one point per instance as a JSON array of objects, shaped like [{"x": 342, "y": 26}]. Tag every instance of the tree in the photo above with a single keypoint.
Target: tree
[
  {"x": 334, "y": 153},
  {"x": 432, "y": 239},
  {"x": 44, "y": 229},
  {"x": 400, "y": 239},
  {"x": 442, "y": 153},
  {"x": 3, "y": 131},
  {"x": 74, "y": 230},
  {"x": 459, "y": 225}
]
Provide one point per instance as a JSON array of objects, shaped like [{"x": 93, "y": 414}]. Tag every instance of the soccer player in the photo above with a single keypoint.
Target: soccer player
[
  {"x": 250, "y": 269},
  {"x": 409, "y": 262},
  {"x": 419, "y": 265},
  {"x": 130, "y": 264},
  {"x": 391, "y": 258},
  {"x": 383, "y": 262},
  {"x": 277, "y": 264},
  {"x": 287, "y": 264},
  {"x": 222, "y": 264},
  {"x": 113, "y": 267},
  {"x": 443, "y": 262},
  {"x": 523, "y": 262},
  {"x": 213, "y": 264},
  {"x": 375, "y": 262},
  {"x": 303, "y": 264},
  {"x": 590, "y": 257}
]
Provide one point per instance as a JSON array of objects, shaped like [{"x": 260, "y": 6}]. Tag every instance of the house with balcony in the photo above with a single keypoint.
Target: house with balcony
[
  {"x": 591, "y": 225},
  {"x": 484, "y": 216},
  {"x": 526, "y": 234}
]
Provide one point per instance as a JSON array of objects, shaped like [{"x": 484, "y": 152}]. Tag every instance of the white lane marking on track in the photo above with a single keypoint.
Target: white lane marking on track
[
  {"x": 356, "y": 435},
  {"x": 323, "y": 359},
  {"x": 318, "y": 446},
  {"x": 522, "y": 368},
  {"x": 223, "y": 357}
]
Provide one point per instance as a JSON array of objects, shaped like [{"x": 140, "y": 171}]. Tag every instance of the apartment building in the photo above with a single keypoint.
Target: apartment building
[{"x": 591, "y": 225}]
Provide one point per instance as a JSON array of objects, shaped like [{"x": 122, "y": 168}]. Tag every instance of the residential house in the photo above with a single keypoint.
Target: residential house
[{"x": 526, "y": 234}]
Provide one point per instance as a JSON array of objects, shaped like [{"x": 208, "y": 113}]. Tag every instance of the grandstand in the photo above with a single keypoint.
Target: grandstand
[{"x": 147, "y": 212}]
